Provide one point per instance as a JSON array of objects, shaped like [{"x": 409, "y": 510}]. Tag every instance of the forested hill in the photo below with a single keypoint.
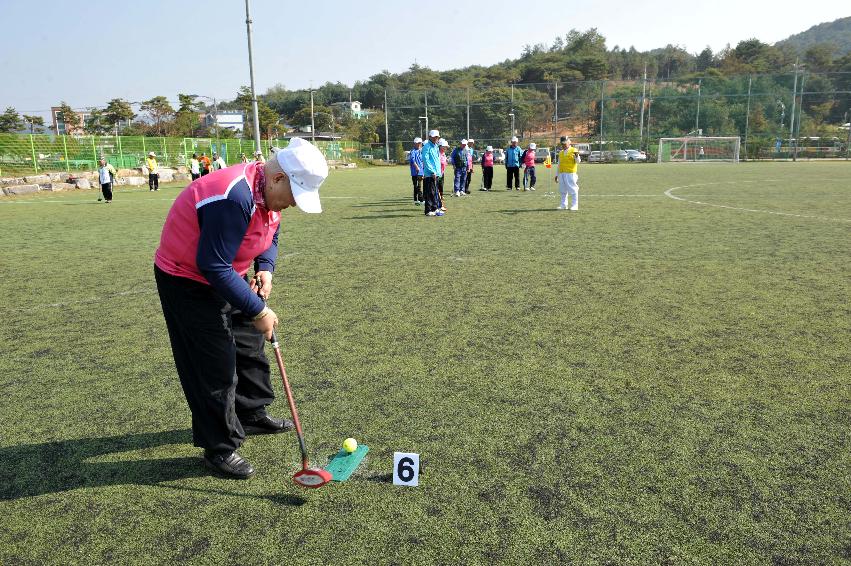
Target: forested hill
[{"x": 837, "y": 33}]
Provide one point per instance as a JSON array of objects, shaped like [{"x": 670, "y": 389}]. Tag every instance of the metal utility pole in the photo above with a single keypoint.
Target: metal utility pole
[
  {"x": 386, "y": 129},
  {"x": 748, "y": 115},
  {"x": 641, "y": 123},
  {"x": 468, "y": 112},
  {"x": 794, "y": 95},
  {"x": 697, "y": 116},
  {"x": 602, "y": 94},
  {"x": 555, "y": 118},
  {"x": 800, "y": 111},
  {"x": 512, "y": 110},
  {"x": 251, "y": 72},
  {"x": 425, "y": 96},
  {"x": 312, "y": 127}
]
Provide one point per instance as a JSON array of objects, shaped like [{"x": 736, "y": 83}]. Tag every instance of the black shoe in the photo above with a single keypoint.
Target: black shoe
[
  {"x": 229, "y": 464},
  {"x": 266, "y": 424}
]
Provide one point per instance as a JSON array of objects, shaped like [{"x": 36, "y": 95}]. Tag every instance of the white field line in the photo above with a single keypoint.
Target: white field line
[{"x": 670, "y": 194}]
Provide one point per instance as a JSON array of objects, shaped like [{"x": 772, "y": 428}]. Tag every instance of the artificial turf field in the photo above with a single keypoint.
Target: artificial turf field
[{"x": 647, "y": 381}]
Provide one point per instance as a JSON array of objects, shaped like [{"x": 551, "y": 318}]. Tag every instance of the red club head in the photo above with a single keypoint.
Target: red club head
[{"x": 312, "y": 478}]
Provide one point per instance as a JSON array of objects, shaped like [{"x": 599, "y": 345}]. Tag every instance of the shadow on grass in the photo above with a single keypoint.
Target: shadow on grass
[
  {"x": 52, "y": 467},
  {"x": 383, "y": 216},
  {"x": 385, "y": 202},
  {"x": 524, "y": 210}
]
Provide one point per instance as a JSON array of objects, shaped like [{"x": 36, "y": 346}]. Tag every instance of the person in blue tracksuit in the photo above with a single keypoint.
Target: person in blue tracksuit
[
  {"x": 512, "y": 164},
  {"x": 431, "y": 174},
  {"x": 415, "y": 160},
  {"x": 459, "y": 158}
]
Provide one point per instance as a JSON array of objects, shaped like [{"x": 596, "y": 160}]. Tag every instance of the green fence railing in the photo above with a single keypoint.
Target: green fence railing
[{"x": 31, "y": 154}]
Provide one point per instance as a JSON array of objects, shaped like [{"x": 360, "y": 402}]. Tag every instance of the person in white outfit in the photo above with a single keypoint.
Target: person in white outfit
[{"x": 567, "y": 176}]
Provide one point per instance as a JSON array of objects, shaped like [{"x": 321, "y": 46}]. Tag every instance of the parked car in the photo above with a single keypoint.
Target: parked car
[
  {"x": 618, "y": 155},
  {"x": 499, "y": 155},
  {"x": 584, "y": 149},
  {"x": 596, "y": 157},
  {"x": 541, "y": 154},
  {"x": 635, "y": 155}
]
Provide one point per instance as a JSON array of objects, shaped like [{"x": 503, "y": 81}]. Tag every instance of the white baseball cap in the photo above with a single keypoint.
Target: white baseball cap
[
  {"x": 533, "y": 145},
  {"x": 514, "y": 138},
  {"x": 443, "y": 142},
  {"x": 306, "y": 167},
  {"x": 463, "y": 142},
  {"x": 471, "y": 140},
  {"x": 151, "y": 154},
  {"x": 418, "y": 140},
  {"x": 433, "y": 134},
  {"x": 489, "y": 148}
]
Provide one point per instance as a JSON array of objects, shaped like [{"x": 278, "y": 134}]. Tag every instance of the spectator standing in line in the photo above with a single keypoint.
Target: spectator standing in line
[
  {"x": 153, "y": 172},
  {"x": 567, "y": 177},
  {"x": 431, "y": 173},
  {"x": 487, "y": 168},
  {"x": 205, "y": 163},
  {"x": 106, "y": 176},
  {"x": 258, "y": 156},
  {"x": 512, "y": 165},
  {"x": 415, "y": 160},
  {"x": 459, "y": 163},
  {"x": 471, "y": 161},
  {"x": 243, "y": 158},
  {"x": 194, "y": 167},
  {"x": 442, "y": 144},
  {"x": 528, "y": 160},
  {"x": 218, "y": 162}
]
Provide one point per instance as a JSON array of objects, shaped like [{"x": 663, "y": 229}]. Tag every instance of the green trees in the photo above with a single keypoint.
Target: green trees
[
  {"x": 33, "y": 121},
  {"x": 10, "y": 121},
  {"x": 160, "y": 110}
]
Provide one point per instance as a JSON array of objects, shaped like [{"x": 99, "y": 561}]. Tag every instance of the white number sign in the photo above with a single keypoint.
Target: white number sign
[{"x": 406, "y": 469}]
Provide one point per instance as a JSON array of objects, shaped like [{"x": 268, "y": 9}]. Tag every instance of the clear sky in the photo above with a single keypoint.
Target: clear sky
[{"x": 88, "y": 52}]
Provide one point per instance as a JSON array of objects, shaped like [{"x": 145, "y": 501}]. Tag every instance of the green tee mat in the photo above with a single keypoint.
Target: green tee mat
[{"x": 343, "y": 464}]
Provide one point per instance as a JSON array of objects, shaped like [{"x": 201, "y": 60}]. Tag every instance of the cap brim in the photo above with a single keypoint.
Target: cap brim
[{"x": 307, "y": 201}]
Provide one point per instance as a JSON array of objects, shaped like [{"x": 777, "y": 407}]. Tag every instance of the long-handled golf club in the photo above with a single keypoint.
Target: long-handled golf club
[{"x": 307, "y": 476}]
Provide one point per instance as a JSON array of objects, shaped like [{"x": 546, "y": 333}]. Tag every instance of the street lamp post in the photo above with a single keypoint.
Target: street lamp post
[{"x": 511, "y": 114}]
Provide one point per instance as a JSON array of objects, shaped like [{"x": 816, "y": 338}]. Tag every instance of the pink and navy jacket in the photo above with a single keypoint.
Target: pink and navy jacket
[
  {"x": 487, "y": 159},
  {"x": 217, "y": 228},
  {"x": 529, "y": 158}
]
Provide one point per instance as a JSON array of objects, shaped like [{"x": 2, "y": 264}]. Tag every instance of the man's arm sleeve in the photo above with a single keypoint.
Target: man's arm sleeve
[
  {"x": 266, "y": 260},
  {"x": 223, "y": 226}
]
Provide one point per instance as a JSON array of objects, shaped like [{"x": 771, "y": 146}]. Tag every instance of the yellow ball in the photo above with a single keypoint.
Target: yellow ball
[{"x": 350, "y": 445}]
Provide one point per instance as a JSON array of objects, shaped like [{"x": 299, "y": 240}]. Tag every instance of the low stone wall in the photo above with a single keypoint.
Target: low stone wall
[{"x": 83, "y": 180}]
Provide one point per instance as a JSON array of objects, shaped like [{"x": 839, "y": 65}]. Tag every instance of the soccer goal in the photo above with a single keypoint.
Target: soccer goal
[{"x": 692, "y": 149}]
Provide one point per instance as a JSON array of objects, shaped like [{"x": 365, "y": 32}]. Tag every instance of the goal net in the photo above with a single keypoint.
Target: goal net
[{"x": 691, "y": 149}]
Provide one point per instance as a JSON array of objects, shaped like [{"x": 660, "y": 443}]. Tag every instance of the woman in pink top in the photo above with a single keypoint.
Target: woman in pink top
[{"x": 487, "y": 168}]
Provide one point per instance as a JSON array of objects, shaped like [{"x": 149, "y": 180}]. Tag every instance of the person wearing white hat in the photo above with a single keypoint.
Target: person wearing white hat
[
  {"x": 459, "y": 163},
  {"x": 512, "y": 165},
  {"x": 218, "y": 228},
  {"x": 431, "y": 174},
  {"x": 415, "y": 160},
  {"x": 487, "y": 168},
  {"x": 567, "y": 177},
  {"x": 153, "y": 172},
  {"x": 472, "y": 156},
  {"x": 528, "y": 161}
]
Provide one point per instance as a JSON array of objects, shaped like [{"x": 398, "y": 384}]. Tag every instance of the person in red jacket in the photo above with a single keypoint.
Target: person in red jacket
[{"x": 219, "y": 227}]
